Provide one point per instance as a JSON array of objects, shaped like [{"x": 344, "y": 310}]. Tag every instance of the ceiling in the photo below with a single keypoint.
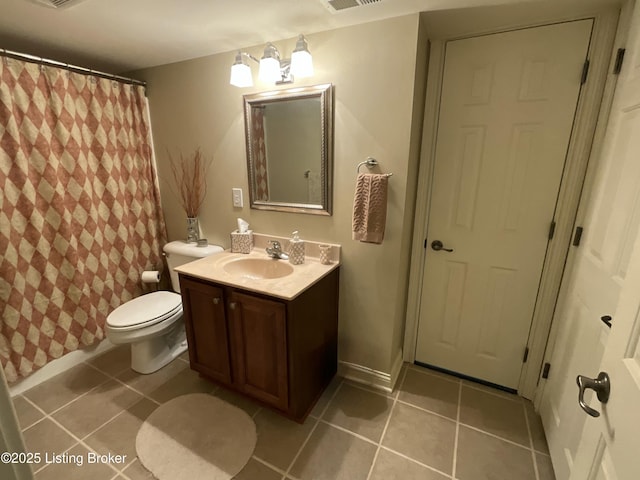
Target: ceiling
[
  {"x": 119, "y": 36},
  {"x": 123, "y": 35}
]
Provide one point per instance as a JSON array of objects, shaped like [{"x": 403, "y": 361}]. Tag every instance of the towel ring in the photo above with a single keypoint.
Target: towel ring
[{"x": 370, "y": 163}]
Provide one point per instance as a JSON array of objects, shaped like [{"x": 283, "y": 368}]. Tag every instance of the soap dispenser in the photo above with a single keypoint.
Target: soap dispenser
[{"x": 296, "y": 249}]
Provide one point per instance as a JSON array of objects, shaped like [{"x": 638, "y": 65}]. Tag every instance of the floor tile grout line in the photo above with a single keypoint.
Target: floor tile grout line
[
  {"x": 413, "y": 460},
  {"x": 386, "y": 425},
  {"x": 463, "y": 424},
  {"x": 70, "y": 402},
  {"x": 79, "y": 440},
  {"x": 342, "y": 429},
  {"x": 139, "y": 392},
  {"x": 122, "y": 382},
  {"x": 533, "y": 450},
  {"x": 120, "y": 475},
  {"x": 109, "y": 377},
  {"x": 126, "y": 475},
  {"x": 113, "y": 375},
  {"x": 23, "y": 428},
  {"x": 495, "y": 436},
  {"x": 404, "y": 402},
  {"x": 256, "y": 413},
  {"x": 313, "y": 429},
  {"x": 267, "y": 464},
  {"x": 457, "y": 435}
]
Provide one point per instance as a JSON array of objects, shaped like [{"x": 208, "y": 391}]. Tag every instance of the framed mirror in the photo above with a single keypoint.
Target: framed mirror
[{"x": 289, "y": 137}]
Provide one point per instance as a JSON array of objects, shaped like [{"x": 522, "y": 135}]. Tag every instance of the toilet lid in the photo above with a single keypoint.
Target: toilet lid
[{"x": 146, "y": 308}]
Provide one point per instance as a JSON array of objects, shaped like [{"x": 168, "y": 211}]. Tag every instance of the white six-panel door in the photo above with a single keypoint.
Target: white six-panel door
[
  {"x": 605, "y": 282},
  {"x": 506, "y": 113}
]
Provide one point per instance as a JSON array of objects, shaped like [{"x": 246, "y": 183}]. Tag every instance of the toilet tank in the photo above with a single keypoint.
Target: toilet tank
[{"x": 180, "y": 252}]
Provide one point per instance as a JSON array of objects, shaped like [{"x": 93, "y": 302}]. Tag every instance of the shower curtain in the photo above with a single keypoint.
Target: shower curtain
[
  {"x": 80, "y": 214},
  {"x": 260, "y": 154}
]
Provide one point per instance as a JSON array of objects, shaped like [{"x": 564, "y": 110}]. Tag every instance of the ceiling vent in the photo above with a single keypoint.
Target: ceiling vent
[
  {"x": 340, "y": 5},
  {"x": 58, "y": 3}
]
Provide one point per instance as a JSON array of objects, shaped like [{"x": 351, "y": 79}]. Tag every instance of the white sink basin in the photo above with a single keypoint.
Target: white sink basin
[{"x": 258, "y": 268}]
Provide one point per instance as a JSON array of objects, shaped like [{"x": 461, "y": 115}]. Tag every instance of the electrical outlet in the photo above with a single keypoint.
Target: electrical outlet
[{"x": 237, "y": 197}]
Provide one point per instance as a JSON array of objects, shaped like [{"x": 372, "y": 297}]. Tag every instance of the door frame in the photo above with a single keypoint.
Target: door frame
[{"x": 580, "y": 145}]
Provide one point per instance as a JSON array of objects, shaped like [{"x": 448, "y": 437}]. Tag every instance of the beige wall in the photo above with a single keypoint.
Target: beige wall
[{"x": 373, "y": 68}]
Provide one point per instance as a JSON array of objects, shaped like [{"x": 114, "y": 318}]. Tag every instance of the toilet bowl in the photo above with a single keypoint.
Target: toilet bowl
[{"x": 152, "y": 323}]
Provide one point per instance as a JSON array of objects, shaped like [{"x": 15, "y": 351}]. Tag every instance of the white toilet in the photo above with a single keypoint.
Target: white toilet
[{"x": 152, "y": 323}]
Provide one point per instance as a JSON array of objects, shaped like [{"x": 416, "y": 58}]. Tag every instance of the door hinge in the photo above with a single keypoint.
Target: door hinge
[
  {"x": 526, "y": 355},
  {"x": 617, "y": 66},
  {"x": 552, "y": 229},
  {"x": 585, "y": 72},
  {"x": 545, "y": 370},
  {"x": 577, "y": 236}
]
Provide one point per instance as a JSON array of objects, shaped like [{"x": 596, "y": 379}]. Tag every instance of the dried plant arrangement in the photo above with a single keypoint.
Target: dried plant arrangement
[{"x": 189, "y": 176}]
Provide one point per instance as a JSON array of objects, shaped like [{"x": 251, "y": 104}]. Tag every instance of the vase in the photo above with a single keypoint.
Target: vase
[{"x": 193, "y": 230}]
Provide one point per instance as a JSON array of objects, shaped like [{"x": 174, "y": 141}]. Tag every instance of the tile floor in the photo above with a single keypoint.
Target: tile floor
[{"x": 433, "y": 427}]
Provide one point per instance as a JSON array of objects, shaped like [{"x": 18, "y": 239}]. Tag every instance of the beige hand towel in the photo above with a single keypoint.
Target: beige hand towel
[{"x": 370, "y": 207}]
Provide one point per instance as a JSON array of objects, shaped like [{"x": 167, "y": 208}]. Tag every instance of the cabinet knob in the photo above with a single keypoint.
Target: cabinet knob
[
  {"x": 232, "y": 305},
  {"x": 216, "y": 301}
]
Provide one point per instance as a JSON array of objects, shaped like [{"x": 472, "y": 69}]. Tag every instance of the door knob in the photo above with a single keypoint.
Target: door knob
[
  {"x": 232, "y": 305},
  {"x": 437, "y": 245},
  {"x": 216, "y": 301},
  {"x": 600, "y": 385}
]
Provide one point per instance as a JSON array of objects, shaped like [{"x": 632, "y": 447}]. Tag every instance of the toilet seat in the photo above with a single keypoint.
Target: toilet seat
[{"x": 145, "y": 311}]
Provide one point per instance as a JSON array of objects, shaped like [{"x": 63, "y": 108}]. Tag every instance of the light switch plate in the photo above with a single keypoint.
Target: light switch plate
[{"x": 237, "y": 197}]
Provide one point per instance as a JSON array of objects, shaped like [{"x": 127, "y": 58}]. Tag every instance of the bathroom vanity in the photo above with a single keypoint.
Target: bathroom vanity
[{"x": 263, "y": 327}]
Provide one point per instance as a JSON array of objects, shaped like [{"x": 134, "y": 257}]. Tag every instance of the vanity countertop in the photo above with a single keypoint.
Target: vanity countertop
[{"x": 287, "y": 287}]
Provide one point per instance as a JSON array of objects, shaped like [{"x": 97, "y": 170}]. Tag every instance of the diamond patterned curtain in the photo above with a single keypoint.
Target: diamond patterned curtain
[{"x": 80, "y": 215}]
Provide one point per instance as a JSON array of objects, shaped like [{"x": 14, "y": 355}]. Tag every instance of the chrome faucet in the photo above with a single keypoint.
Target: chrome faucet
[{"x": 275, "y": 250}]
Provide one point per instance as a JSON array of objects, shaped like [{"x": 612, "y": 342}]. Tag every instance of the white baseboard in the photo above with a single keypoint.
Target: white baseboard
[
  {"x": 59, "y": 365},
  {"x": 368, "y": 376}
]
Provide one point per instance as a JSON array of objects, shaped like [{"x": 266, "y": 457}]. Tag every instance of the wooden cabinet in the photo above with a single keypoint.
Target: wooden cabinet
[
  {"x": 207, "y": 332},
  {"x": 258, "y": 328},
  {"x": 282, "y": 353}
]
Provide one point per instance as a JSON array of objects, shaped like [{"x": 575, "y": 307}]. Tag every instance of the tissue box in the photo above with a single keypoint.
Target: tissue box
[{"x": 241, "y": 242}]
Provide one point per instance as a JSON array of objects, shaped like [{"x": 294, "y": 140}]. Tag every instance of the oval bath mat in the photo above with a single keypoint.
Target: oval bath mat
[{"x": 196, "y": 436}]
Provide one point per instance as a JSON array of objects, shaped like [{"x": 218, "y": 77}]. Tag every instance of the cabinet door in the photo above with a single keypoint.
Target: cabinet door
[
  {"x": 259, "y": 330},
  {"x": 206, "y": 329}
]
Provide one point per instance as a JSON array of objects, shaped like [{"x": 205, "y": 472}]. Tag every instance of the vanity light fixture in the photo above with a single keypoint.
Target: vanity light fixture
[{"x": 273, "y": 69}]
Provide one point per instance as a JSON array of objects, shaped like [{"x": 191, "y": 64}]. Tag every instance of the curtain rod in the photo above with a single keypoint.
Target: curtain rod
[{"x": 67, "y": 66}]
